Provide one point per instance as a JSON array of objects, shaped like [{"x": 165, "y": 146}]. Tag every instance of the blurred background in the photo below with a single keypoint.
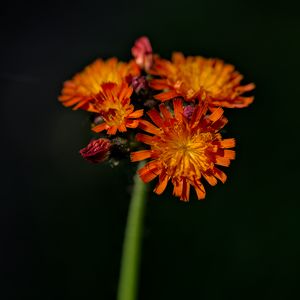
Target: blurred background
[{"x": 63, "y": 219}]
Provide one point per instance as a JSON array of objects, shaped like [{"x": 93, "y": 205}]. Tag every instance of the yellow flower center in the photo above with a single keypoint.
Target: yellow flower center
[
  {"x": 188, "y": 77},
  {"x": 114, "y": 115},
  {"x": 184, "y": 153},
  {"x": 196, "y": 74}
]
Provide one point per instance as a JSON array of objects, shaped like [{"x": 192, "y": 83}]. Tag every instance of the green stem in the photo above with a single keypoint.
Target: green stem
[{"x": 129, "y": 273}]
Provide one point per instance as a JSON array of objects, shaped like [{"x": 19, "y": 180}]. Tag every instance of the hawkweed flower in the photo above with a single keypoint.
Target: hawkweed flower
[
  {"x": 114, "y": 106},
  {"x": 142, "y": 52},
  {"x": 80, "y": 91},
  {"x": 180, "y": 139},
  {"x": 184, "y": 150},
  {"x": 195, "y": 77},
  {"x": 96, "y": 151}
]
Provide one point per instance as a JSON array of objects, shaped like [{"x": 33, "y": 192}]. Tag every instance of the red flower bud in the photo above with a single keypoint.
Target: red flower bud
[
  {"x": 139, "y": 83},
  {"x": 96, "y": 151},
  {"x": 188, "y": 111},
  {"x": 142, "y": 52}
]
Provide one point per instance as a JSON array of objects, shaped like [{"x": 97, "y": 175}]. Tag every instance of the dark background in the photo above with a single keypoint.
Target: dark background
[{"x": 62, "y": 219}]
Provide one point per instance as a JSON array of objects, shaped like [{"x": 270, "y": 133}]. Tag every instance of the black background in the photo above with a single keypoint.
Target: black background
[{"x": 63, "y": 219}]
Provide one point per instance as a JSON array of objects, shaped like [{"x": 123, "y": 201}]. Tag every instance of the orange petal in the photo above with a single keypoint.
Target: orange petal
[
  {"x": 200, "y": 110},
  {"x": 149, "y": 172},
  {"x": 121, "y": 128},
  {"x": 108, "y": 86},
  {"x": 216, "y": 115},
  {"x": 227, "y": 143},
  {"x": 230, "y": 154},
  {"x": 162, "y": 184},
  {"x": 165, "y": 112},
  {"x": 65, "y": 97},
  {"x": 125, "y": 92},
  {"x": 219, "y": 123},
  {"x": 132, "y": 123},
  {"x": 222, "y": 161},
  {"x": 84, "y": 104},
  {"x": 136, "y": 114},
  {"x": 246, "y": 88},
  {"x": 140, "y": 155},
  {"x": 74, "y": 100},
  {"x": 144, "y": 138},
  {"x": 113, "y": 130},
  {"x": 178, "y": 186},
  {"x": 178, "y": 109},
  {"x": 69, "y": 84},
  {"x": 210, "y": 179},
  {"x": 100, "y": 127},
  {"x": 238, "y": 102},
  {"x": 155, "y": 117},
  {"x": 158, "y": 84},
  {"x": 244, "y": 101},
  {"x": 185, "y": 195},
  {"x": 200, "y": 191},
  {"x": 219, "y": 174},
  {"x": 165, "y": 96},
  {"x": 178, "y": 57},
  {"x": 149, "y": 127}
]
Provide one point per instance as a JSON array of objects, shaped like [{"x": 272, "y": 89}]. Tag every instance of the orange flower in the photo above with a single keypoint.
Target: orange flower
[
  {"x": 113, "y": 104},
  {"x": 184, "y": 149},
  {"x": 82, "y": 88},
  {"x": 197, "y": 77}
]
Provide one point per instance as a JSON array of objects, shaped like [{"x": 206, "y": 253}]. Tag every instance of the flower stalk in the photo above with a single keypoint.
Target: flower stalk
[{"x": 129, "y": 271}]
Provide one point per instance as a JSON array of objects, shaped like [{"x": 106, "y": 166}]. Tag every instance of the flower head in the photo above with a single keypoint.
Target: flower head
[
  {"x": 113, "y": 105},
  {"x": 96, "y": 151},
  {"x": 197, "y": 77},
  {"x": 82, "y": 88},
  {"x": 183, "y": 149},
  {"x": 142, "y": 52}
]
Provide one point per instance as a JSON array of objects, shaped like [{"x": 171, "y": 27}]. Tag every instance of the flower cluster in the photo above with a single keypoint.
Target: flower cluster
[{"x": 169, "y": 112}]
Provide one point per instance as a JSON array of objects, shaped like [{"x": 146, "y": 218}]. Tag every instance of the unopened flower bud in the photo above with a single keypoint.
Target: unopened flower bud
[
  {"x": 142, "y": 52},
  {"x": 139, "y": 83},
  {"x": 188, "y": 111},
  {"x": 96, "y": 151}
]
